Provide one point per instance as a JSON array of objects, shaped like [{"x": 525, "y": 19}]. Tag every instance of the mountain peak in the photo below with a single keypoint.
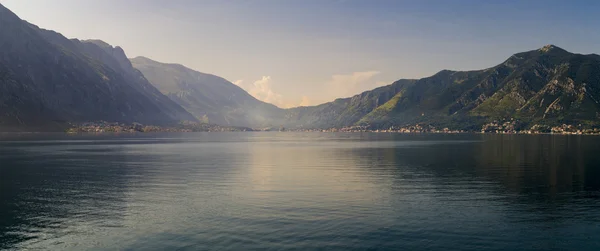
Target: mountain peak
[
  {"x": 549, "y": 48},
  {"x": 140, "y": 59},
  {"x": 98, "y": 42}
]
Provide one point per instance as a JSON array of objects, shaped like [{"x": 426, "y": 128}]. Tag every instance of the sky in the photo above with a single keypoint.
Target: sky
[{"x": 306, "y": 52}]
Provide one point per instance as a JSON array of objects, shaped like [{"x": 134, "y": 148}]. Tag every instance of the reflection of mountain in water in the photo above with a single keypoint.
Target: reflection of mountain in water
[
  {"x": 50, "y": 193},
  {"x": 525, "y": 171},
  {"x": 546, "y": 164},
  {"x": 237, "y": 191}
]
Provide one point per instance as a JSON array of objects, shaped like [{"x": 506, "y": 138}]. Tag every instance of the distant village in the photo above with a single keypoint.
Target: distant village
[
  {"x": 111, "y": 127},
  {"x": 495, "y": 127},
  {"x": 510, "y": 127}
]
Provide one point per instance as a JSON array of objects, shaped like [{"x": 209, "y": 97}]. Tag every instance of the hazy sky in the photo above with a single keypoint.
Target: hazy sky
[{"x": 292, "y": 52}]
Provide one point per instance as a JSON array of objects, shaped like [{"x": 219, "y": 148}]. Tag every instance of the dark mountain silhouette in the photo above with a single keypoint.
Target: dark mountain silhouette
[{"x": 48, "y": 80}]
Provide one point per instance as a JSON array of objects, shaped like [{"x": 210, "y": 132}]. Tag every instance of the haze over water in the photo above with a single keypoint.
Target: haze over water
[{"x": 299, "y": 191}]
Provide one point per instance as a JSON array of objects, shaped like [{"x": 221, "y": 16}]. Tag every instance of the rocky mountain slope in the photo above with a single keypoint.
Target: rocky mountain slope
[
  {"x": 48, "y": 80},
  {"x": 216, "y": 100},
  {"x": 210, "y": 98},
  {"x": 546, "y": 86},
  {"x": 344, "y": 111}
]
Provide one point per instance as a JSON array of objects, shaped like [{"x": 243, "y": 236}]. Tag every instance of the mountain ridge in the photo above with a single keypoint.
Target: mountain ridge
[
  {"x": 49, "y": 81},
  {"x": 208, "y": 97},
  {"x": 495, "y": 93},
  {"x": 462, "y": 99}
]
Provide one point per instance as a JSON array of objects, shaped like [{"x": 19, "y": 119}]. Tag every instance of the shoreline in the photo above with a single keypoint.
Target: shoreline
[{"x": 290, "y": 131}]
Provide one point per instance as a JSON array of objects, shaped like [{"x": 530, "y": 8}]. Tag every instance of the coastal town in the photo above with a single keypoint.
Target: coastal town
[
  {"x": 490, "y": 128},
  {"x": 495, "y": 127},
  {"x": 515, "y": 127},
  {"x": 113, "y": 127}
]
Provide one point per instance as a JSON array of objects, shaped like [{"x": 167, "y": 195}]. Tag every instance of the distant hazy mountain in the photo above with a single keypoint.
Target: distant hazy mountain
[
  {"x": 548, "y": 86},
  {"x": 219, "y": 101},
  {"x": 47, "y": 80},
  {"x": 208, "y": 97},
  {"x": 344, "y": 111}
]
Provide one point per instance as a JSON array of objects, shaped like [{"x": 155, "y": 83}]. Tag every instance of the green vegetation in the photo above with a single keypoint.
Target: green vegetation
[
  {"x": 548, "y": 86},
  {"x": 47, "y": 79}
]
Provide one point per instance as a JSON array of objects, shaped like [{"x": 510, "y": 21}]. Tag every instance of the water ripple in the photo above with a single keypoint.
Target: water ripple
[{"x": 299, "y": 191}]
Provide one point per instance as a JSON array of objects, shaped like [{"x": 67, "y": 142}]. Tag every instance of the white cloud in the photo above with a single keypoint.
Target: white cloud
[
  {"x": 339, "y": 86},
  {"x": 239, "y": 82},
  {"x": 305, "y": 101},
  {"x": 344, "y": 85},
  {"x": 262, "y": 90}
]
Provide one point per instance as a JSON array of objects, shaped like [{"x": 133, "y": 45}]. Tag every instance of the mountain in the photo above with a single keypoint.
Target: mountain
[
  {"x": 209, "y": 98},
  {"x": 344, "y": 111},
  {"x": 216, "y": 100},
  {"x": 546, "y": 86},
  {"x": 47, "y": 80}
]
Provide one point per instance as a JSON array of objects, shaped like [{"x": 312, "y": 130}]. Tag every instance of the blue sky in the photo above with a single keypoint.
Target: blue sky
[{"x": 312, "y": 51}]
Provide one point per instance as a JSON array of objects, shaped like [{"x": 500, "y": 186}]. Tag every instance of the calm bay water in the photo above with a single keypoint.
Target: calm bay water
[{"x": 299, "y": 191}]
